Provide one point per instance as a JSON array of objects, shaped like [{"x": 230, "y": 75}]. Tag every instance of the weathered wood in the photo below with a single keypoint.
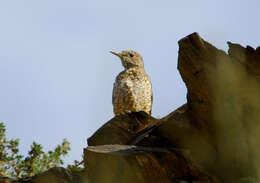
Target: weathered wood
[
  {"x": 53, "y": 175},
  {"x": 121, "y": 129},
  {"x": 128, "y": 164},
  {"x": 223, "y": 102}
]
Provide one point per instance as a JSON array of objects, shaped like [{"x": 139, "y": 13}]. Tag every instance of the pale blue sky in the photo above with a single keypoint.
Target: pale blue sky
[{"x": 56, "y": 72}]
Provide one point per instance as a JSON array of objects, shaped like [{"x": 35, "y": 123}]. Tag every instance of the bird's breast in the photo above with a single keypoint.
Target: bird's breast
[
  {"x": 132, "y": 79},
  {"x": 132, "y": 92}
]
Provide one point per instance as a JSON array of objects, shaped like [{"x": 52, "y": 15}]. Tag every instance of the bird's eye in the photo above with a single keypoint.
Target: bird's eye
[{"x": 131, "y": 55}]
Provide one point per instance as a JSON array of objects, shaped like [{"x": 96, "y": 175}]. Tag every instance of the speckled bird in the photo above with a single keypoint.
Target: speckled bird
[{"x": 132, "y": 90}]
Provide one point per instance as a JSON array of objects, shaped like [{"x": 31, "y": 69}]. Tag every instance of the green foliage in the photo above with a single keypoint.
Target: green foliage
[
  {"x": 15, "y": 165},
  {"x": 76, "y": 166}
]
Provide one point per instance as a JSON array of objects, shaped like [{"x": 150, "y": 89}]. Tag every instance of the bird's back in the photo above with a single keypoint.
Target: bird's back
[{"x": 132, "y": 92}]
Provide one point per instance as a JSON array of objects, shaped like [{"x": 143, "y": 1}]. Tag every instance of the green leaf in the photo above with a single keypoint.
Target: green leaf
[{"x": 16, "y": 165}]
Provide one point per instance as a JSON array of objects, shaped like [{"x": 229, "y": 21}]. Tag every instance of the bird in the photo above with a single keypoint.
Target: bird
[{"x": 132, "y": 91}]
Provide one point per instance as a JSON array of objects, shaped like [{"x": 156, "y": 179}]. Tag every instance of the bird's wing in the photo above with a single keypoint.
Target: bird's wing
[
  {"x": 121, "y": 91},
  {"x": 151, "y": 94}
]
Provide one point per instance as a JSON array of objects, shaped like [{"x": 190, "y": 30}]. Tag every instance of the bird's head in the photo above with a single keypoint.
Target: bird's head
[{"x": 130, "y": 59}]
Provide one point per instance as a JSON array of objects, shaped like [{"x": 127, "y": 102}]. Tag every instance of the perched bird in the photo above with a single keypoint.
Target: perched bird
[{"x": 132, "y": 90}]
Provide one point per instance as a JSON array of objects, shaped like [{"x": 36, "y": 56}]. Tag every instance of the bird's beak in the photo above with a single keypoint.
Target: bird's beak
[{"x": 117, "y": 54}]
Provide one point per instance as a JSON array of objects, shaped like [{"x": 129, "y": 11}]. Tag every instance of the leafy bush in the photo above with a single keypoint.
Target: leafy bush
[{"x": 13, "y": 164}]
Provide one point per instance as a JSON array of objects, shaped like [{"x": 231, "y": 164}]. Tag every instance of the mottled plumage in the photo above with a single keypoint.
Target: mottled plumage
[{"x": 132, "y": 90}]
